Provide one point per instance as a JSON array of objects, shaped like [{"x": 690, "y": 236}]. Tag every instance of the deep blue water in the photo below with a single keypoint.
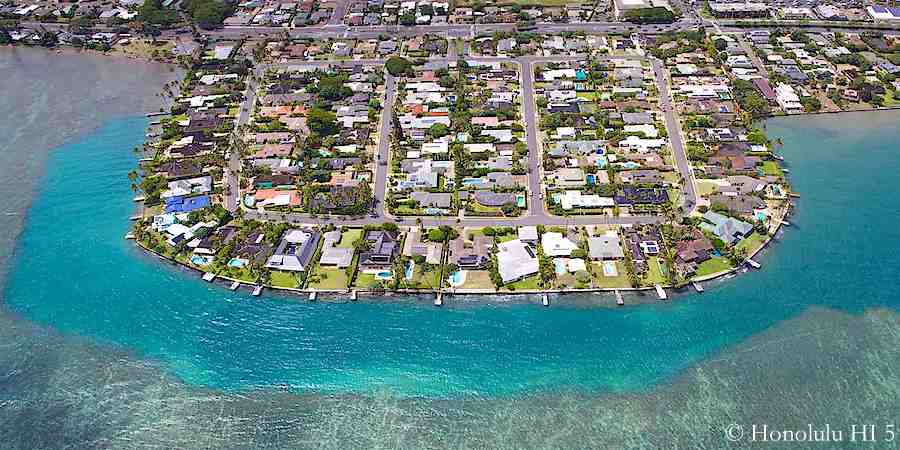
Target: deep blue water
[{"x": 73, "y": 271}]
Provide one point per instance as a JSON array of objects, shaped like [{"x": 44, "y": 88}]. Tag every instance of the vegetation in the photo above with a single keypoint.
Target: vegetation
[
  {"x": 207, "y": 14},
  {"x": 657, "y": 14},
  {"x": 398, "y": 66}
]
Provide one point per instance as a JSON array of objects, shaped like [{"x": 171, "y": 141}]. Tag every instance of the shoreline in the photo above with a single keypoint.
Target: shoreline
[{"x": 358, "y": 294}]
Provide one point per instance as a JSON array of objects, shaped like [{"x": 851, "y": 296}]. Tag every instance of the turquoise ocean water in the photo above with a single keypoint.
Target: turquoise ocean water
[{"x": 75, "y": 273}]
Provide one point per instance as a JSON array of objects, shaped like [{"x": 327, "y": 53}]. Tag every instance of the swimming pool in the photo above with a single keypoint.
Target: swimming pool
[
  {"x": 199, "y": 260},
  {"x": 610, "y": 269},
  {"x": 236, "y": 262},
  {"x": 410, "y": 267},
  {"x": 560, "y": 265},
  {"x": 472, "y": 181},
  {"x": 591, "y": 178},
  {"x": 384, "y": 275},
  {"x": 457, "y": 278}
]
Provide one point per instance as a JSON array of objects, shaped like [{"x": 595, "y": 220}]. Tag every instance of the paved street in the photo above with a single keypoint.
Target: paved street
[
  {"x": 673, "y": 129},
  {"x": 232, "y": 175},
  {"x": 535, "y": 168},
  {"x": 383, "y": 153}
]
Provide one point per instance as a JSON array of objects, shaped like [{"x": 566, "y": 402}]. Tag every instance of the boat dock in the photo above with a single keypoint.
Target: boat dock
[
  {"x": 753, "y": 264},
  {"x": 312, "y": 296},
  {"x": 661, "y": 293},
  {"x": 439, "y": 300},
  {"x": 235, "y": 285},
  {"x": 697, "y": 287},
  {"x": 209, "y": 277},
  {"x": 619, "y": 300},
  {"x": 256, "y": 291}
]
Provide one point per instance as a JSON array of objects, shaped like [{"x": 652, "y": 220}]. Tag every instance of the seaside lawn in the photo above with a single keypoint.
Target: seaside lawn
[
  {"x": 424, "y": 279},
  {"x": 365, "y": 280},
  {"x": 478, "y": 279},
  {"x": 329, "y": 278},
  {"x": 752, "y": 243},
  {"x": 771, "y": 168},
  {"x": 656, "y": 274},
  {"x": 528, "y": 284},
  {"x": 713, "y": 265},
  {"x": 619, "y": 281},
  {"x": 283, "y": 279}
]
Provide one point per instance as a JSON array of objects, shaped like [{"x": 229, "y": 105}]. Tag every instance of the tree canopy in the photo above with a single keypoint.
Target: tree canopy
[{"x": 396, "y": 65}]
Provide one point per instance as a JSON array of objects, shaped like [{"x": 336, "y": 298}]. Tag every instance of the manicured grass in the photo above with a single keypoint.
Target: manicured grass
[
  {"x": 706, "y": 187},
  {"x": 713, "y": 265},
  {"x": 590, "y": 96},
  {"x": 753, "y": 242},
  {"x": 530, "y": 283},
  {"x": 329, "y": 278},
  {"x": 655, "y": 272},
  {"x": 283, "y": 279},
  {"x": 890, "y": 98},
  {"x": 506, "y": 238},
  {"x": 427, "y": 280},
  {"x": 364, "y": 280},
  {"x": 349, "y": 237},
  {"x": 239, "y": 273},
  {"x": 619, "y": 281},
  {"x": 771, "y": 168},
  {"x": 478, "y": 279}
]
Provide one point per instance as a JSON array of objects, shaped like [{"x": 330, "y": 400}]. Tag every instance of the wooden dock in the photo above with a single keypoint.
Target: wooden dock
[
  {"x": 619, "y": 300},
  {"x": 209, "y": 277},
  {"x": 697, "y": 287},
  {"x": 661, "y": 293}
]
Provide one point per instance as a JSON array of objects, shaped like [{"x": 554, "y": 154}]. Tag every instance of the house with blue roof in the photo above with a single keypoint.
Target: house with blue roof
[
  {"x": 181, "y": 204},
  {"x": 728, "y": 229}
]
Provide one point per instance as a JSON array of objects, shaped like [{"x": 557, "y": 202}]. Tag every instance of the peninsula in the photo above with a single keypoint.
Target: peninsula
[{"x": 591, "y": 151}]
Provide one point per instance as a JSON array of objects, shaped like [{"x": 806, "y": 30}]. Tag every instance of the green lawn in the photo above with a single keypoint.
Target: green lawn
[
  {"x": 890, "y": 98},
  {"x": 364, "y": 280},
  {"x": 422, "y": 279},
  {"x": 705, "y": 188},
  {"x": 752, "y": 243},
  {"x": 713, "y": 265},
  {"x": 239, "y": 273},
  {"x": 619, "y": 281},
  {"x": 349, "y": 237},
  {"x": 528, "y": 284},
  {"x": 771, "y": 168},
  {"x": 478, "y": 279},
  {"x": 330, "y": 278},
  {"x": 656, "y": 274},
  {"x": 506, "y": 238},
  {"x": 283, "y": 279}
]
